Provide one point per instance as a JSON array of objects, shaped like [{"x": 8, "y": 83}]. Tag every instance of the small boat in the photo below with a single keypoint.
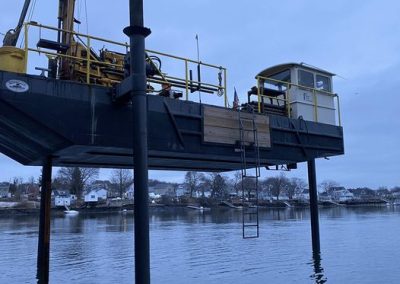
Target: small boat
[
  {"x": 200, "y": 208},
  {"x": 70, "y": 212}
]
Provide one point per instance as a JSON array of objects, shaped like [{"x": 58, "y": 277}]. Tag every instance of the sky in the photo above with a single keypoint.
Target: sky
[{"x": 358, "y": 40}]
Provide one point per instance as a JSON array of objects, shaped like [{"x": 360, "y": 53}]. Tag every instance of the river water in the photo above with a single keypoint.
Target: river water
[{"x": 359, "y": 245}]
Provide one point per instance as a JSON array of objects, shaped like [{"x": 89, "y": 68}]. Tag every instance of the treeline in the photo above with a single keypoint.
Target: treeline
[{"x": 215, "y": 185}]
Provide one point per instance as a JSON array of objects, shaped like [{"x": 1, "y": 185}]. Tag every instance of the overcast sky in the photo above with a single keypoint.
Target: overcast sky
[{"x": 358, "y": 40}]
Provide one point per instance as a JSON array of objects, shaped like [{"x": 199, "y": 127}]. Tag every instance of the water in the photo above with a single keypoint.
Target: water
[{"x": 359, "y": 245}]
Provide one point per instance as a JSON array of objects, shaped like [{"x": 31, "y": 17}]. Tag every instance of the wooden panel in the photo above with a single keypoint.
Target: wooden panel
[{"x": 222, "y": 126}]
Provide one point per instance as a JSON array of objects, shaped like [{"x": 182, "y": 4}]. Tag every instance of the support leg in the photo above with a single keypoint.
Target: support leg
[
  {"x": 312, "y": 183},
  {"x": 137, "y": 34},
  {"x": 44, "y": 224}
]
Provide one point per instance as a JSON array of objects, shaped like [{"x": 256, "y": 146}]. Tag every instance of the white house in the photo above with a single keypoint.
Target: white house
[
  {"x": 95, "y": 195},
  {"x": 129, "y": 194},
  {"x": 303, "y": 195},
  {"x": 341, "y": 194},
  {"x": 62, "y": 200}
]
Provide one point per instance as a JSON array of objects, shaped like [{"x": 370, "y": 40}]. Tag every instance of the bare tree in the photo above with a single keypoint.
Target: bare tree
[
  {"x": 77, "y": 178},
  {"x": 16, "y": 187},
  {"x": 278, "y": 184},
  {"x": 327, "y": 185},
  {"x": 192, "y": 181},
  {"x": 175, "y": 187},
  {"x": 247, "y": 185},
  {"x": 122, "y": 178},
  {"x": 237, "y": 178},
  {"x": 295, "y": 186}
]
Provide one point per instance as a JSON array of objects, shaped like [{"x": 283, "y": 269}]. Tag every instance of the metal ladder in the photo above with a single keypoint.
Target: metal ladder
[{"x": 250, "y": 164}]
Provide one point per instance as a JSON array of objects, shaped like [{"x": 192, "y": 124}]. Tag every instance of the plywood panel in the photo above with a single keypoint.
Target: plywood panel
[{"x": 222, "y": 126}]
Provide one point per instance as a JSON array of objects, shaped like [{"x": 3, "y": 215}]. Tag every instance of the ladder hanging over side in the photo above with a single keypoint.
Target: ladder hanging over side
[{"x": 250, "y": 164}]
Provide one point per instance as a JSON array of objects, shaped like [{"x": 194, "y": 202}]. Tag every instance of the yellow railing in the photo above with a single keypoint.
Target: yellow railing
[
  {"x": 220, "y": 88},
  {"x": 260, "y": 87}
]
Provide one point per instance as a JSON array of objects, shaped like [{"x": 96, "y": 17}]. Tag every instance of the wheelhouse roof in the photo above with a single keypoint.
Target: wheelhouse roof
[{"x": 270, "y": 71}]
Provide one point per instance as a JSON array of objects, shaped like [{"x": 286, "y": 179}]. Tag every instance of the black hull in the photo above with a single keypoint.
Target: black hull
[{"x": 79, "y": 125}]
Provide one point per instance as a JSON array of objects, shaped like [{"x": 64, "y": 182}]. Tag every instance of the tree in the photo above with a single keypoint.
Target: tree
[
  {"x": 278, "y": 185},
  {"x": 248, "y": 185},
  {"x": 217, "y": 184},
  {"x": 77, "y": 178},
  {"x": 192, "y": 181},
  {"x": 122, "y": 178},
  {"x": 327, "y": 185},
  {"x": 295, "y": 186},
  {"x": 237, "y": 178},
  {"x": 15, "y": 187}
]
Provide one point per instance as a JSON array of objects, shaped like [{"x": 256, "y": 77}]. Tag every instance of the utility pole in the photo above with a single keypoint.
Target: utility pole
[{"x": 137, "y": 33}]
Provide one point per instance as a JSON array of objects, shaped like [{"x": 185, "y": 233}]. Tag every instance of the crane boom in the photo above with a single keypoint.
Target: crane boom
[{"x": 11, "y": 37}]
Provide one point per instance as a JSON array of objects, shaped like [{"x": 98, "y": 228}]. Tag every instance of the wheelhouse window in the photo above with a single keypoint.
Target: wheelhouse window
[
  {"x": 277, "y": 82},
  {"x": 306, "y": 78},
  {"x": 323, "y": 83}
]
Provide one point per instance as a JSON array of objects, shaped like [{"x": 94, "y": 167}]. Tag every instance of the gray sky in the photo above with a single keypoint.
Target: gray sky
[{"x": 358, "y": 40}]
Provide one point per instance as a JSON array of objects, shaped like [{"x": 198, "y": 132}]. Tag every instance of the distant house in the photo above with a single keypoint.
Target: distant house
[
  {"x": 324, "y": 196},
  {"x": 129, "y": 194},
  {"x": 181, "y": 190},
  {"x": 5, "y": 190},
  {"x": 162, "y": 188},
  {"x": 303, "y": 195},
  {"x": 363, "y": 193},
  {"x": 198, "y": 193},
  {"x": 96, "y": 195},
  {"x": 339, "y": 193},
  {"x": 62, "y": 198}
]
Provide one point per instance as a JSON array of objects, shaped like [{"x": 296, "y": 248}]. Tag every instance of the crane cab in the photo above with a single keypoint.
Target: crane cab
[{"x": 298, "y": 91}]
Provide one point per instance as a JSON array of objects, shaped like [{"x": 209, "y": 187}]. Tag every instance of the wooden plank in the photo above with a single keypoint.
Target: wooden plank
[
  {"x": 222, "y": 126},
  {"x": 232, "y": 114},
  {"x": 234, "y": 123},
  {"x": 230, "y": 136}
]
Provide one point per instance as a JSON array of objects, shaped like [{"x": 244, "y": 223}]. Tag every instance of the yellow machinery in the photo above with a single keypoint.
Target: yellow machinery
[{"x": 12, "y": 59}]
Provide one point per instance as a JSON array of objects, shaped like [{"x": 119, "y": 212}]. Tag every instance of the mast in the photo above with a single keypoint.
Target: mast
[
  {"x": 11, "y": 38},
  {"x": 66, "y": 12}
]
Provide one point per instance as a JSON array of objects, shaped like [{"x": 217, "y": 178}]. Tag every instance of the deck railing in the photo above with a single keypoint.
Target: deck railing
[
  {"x": 186, "y": 83},
  {"x": 288, "y": 85}
]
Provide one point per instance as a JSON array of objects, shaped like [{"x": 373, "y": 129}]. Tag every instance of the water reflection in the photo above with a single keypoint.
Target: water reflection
[{"x": 318, "y": 274}]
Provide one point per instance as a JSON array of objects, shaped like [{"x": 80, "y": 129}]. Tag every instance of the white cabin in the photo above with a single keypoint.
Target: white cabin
[{"x": 309, "y": 90}]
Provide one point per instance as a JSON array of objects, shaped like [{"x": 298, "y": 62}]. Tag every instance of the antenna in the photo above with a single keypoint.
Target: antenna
[{"x": 198, "y": 66}]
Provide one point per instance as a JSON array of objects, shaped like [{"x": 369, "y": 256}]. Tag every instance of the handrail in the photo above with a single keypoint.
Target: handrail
[
  {"x": 261, "y": 80},
  {"x": 221, "y": 89}
]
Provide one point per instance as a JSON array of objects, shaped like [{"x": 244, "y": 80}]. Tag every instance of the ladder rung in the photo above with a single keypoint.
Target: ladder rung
[
  {"x": 251, "y": 237},
  {"x": 250, "y": 225}
]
